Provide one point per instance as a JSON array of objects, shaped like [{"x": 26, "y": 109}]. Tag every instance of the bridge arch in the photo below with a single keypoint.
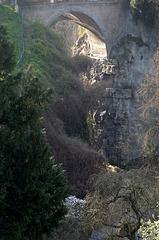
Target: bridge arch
[{"x": 95, "y": 28}]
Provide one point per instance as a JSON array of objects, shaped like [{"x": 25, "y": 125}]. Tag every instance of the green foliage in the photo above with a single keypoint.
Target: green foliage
[
  {"x": 149, "y": 230},
  {"x": 44, "y": 52},
  {"x": 145, "y": 10},
  {"x": 32, "y": 188},
  {"x": 68, "y": 114},
  {"x": 7, "y": 62},
  {"x": 81, "y": 31},
  {"x": 11, "y": 19}
]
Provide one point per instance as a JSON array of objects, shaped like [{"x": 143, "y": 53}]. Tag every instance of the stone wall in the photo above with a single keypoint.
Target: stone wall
[
  {"x": 4, "y": 1},
  {"x": 33, "y": 1},
  {"x": 107, "y": 21}
]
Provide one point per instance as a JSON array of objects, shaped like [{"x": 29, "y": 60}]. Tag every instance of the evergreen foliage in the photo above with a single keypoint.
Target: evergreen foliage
[
  {"x": 6, "y": 60},
  {"x": 32, "y": 188},
  {"x": 65, "y": 119}
]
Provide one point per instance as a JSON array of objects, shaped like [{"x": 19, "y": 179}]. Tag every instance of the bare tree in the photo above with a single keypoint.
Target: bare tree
[
  {"x": 121, "y": 200},
  {"x": 149, "y": 96}
]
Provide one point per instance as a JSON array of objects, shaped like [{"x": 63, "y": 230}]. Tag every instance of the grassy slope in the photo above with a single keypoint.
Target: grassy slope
[
  {"x": 11, "y": 19},
  {"x": 68, "y": 115}
]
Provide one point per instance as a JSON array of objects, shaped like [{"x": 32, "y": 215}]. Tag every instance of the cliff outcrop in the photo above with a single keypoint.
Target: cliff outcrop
[{"x": 116, "y": 123}]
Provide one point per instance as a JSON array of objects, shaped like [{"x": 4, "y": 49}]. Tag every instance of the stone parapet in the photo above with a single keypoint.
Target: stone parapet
[{"x": 33, "y": 1}]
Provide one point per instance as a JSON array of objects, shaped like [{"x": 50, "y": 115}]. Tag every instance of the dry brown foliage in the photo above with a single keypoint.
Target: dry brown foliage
[
  {"x": 121, "y": 199},
  {"x": 77, "y": 158},
  {"x": 148, "y": 93}
]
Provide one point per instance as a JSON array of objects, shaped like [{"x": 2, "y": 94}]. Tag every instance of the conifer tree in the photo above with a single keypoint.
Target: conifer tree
[{"x": 32, "y": 187}]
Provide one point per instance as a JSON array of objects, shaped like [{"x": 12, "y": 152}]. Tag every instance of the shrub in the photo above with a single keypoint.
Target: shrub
[
  {"x": 121, "y": 199},
  {"x": 145, "y": 10},
  {"x": 32, "y": 187}
]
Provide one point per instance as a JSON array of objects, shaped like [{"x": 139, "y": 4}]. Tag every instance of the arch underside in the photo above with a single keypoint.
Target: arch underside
[{"x": 96, "y": 38}]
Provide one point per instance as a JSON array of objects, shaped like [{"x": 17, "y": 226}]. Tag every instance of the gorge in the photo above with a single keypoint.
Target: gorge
[
  {"x": 93, "y": 119},
  {"x": 115, "y": 114},
  {"x": 130, "y": 47}
]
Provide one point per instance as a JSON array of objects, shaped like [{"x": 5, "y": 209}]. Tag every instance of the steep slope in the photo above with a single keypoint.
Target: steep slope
[{"x": 66, "y": 119}]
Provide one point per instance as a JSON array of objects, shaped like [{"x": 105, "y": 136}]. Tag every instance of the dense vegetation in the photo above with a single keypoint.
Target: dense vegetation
[
  {"x": 122, "y": 195},
  {"x": 146, "y": 11},
  {"x": 32, "y": 188},
  {"x": 66, "y": 119}
]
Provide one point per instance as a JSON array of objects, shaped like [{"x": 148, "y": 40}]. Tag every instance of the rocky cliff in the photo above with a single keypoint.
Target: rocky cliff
[{"x": 114, "y": 108}]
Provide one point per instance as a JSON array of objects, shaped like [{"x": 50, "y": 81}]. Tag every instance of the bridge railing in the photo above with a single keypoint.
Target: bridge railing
[{"x": 55, "y": 1}]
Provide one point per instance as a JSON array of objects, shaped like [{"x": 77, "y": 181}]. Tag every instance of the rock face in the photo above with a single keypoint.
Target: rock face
[
  {"x": 115, "y": 115},
  {"x": 111, "y": 111},
  {"x": 114, "y": 82},
  {"x": 82, "y": 46},
  {"x": 107, "y": 233}
]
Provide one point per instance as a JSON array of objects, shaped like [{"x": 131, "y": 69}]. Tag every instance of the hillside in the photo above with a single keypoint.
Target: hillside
[
  {"x": 100, "y": 112},
  {"x": 65, "y": 120}
]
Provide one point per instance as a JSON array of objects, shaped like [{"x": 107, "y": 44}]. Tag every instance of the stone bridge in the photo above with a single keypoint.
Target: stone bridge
[{"x": 105, "y": 22}]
